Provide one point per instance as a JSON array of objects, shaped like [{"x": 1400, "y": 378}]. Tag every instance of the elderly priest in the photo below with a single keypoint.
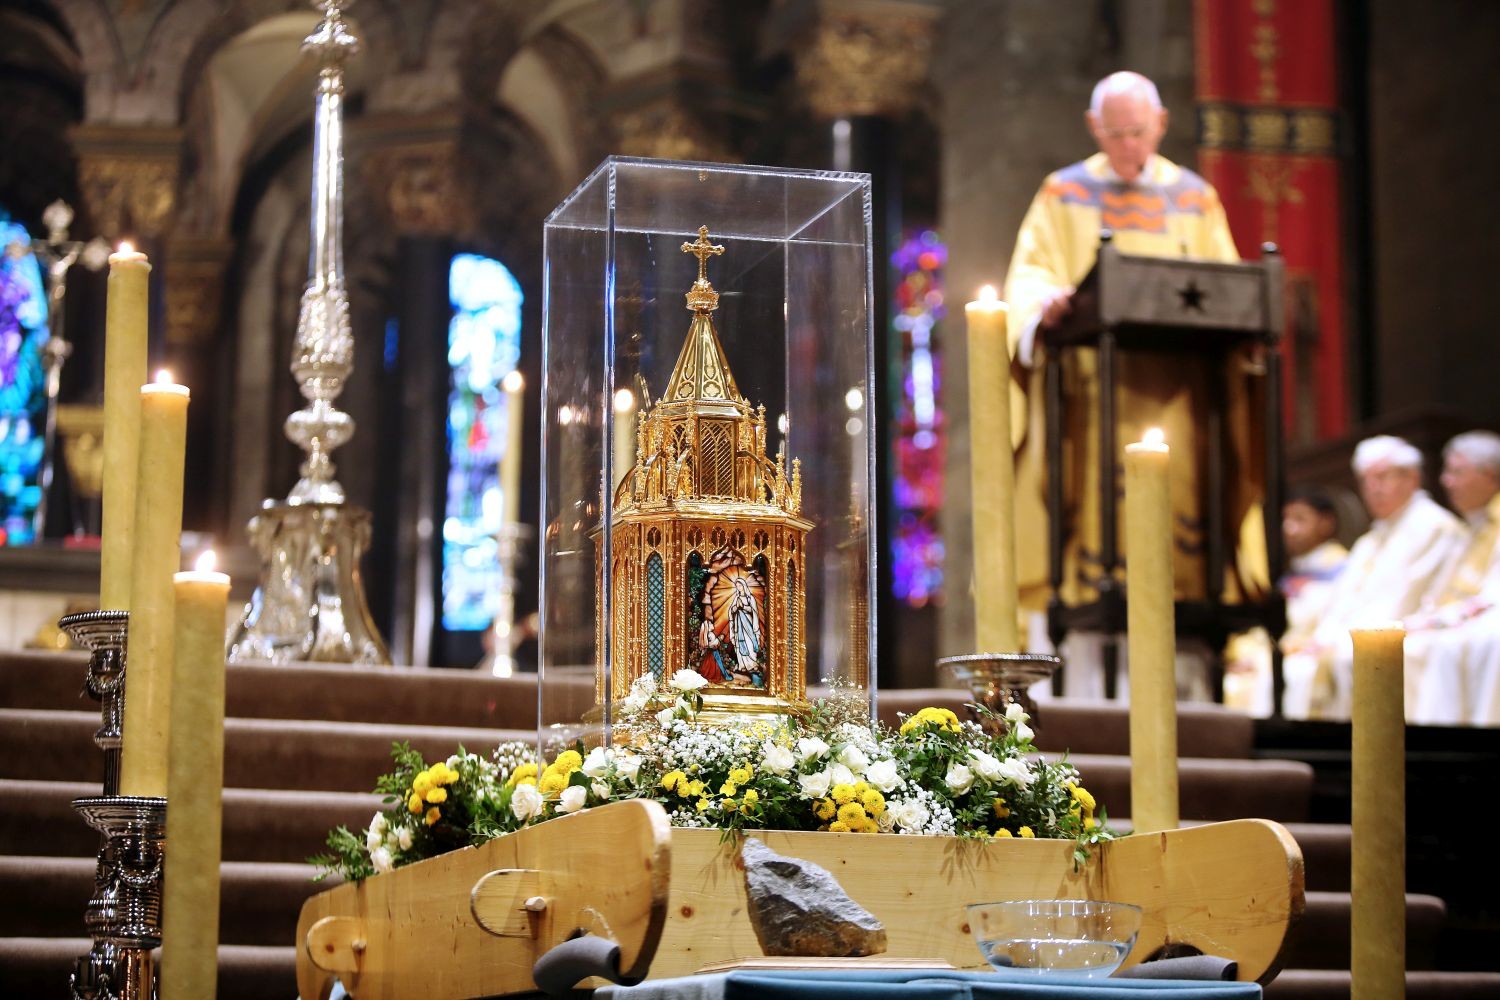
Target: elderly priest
[{"x": 1390, "y": 570}]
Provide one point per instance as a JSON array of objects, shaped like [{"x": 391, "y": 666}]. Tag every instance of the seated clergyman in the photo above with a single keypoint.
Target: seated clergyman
[{"x": 1390, "y": 569}]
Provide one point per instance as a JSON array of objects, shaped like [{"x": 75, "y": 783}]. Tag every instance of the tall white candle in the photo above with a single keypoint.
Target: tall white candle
[{"x": 993, "y": 477}]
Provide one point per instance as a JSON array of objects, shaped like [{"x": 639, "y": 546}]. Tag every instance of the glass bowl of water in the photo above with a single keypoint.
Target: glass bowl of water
[{"x": 1072, "y": 937}]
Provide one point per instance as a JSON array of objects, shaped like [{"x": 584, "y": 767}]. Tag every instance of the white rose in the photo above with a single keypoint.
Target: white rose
[
  {"x": 644, "y": 685},
  {"x": 381, "y": 859},
  {"x": 778, "y": 759},
  {"x": 453, "y": 762},
  {"x": 958, "y": 779},
  {"x": 601, "y": 790},
  {"x": 910, "y": 815},
  {"x": 596, "y": 764},
  {"x": 378, "y": 823},
  {"x": 1014, "y": 713},
  {"x": 886, "y": 821},
  {"x": 986, "y": 765},
  {"x": 814, "y": 786},
  {"x": 687, "y": 679},
  {"x": 633, "y": 703},
  {"x": 403, "y": 838},
  {"x": 526, "y": 803},
  {"x": 665, "y": 716},
  {"x": 627, "y": 766},
  {"x": 883, "y": 775},
  {"x": 811, "y": 748},
  {"x": 1016, "y": 772},
  {"x": 373, "y": 839},
  {"x": 1022, "y": 731},
  {"x": 854, "y": 758},
  {"x": 841, "y": 775},
  {"x": 573, "y": 798}
]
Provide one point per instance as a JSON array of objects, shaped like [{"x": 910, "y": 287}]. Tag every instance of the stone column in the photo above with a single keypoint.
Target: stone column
[{"x": 859, "y": 69}]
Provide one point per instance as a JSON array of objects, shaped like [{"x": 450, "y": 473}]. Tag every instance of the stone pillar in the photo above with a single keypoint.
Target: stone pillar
[
  {"x": 859, "y": 69},
  {"x": 192, "y": 271}
]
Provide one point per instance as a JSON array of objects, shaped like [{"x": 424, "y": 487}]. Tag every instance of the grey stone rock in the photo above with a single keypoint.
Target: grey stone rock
[{"x": 798, "y": 908}]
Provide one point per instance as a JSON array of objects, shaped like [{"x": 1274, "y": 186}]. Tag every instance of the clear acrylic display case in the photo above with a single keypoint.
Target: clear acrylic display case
[{"x": 621, "y": 579}]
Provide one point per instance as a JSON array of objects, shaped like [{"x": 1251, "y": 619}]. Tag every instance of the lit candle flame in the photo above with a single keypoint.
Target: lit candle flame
[
  {"x": 988, "y": 295},
  {"x": 1155, "y": 437},
  {"x": 126, "y": 247},
  {"x": 624, "y": 400},
  {"x": 206, "y": 562},
  {"x": 514, "y": 382},
  {"x": 164, "y": 377}
]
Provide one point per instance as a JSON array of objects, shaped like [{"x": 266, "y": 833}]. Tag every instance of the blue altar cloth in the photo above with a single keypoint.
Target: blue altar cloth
[{"x": 920, "y": 985}]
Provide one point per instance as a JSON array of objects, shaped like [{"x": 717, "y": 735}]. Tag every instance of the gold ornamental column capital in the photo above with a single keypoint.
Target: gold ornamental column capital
[
  {"x": 857, "y": 58},
  {"x": 193, "y": 288},
  {"x": 128, "y": 176},
  {"x": 417, "y": 170}
]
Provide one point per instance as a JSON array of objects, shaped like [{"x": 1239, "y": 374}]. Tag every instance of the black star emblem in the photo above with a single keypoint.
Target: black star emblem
[{"x": 1192, "y": 296}]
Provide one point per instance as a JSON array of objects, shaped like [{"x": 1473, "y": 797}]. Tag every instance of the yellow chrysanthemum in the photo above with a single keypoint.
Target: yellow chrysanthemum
[
  {"x": 449, "y": 774},
  {"x": 703, "y": 805},
  {"x": 728, "y": 788},
  {"x": 824, "y": 809},
  {"x": 671, "y": 778},
  {"x": 414, "y": 804},
  {"x": 729, "y": 805},
  {"x": 1026, "y": 833},
  {"x": 523, "y": 775},
  {"x": 851, "y": 813},
  {"x": 873, "y": 802},
  {"x": 694, "y": 787},
  {"x": 741, "y": 775},
  {"x": 422, "y": 782},
  {"x": 568, "y": 760},
  {"x": 842, "y": 793},
  {"x": 437, "y": 795},
  {"x": 1082, "y": 796},
  {"x": 1002, "y": 832},
  {"x": 838, "y": 828},
  {"x": 552, "y": 783},
  {"x": 433, "y": 815},
  {"x": 940, "y": 718},
  {"x": 751, "y": 797}
]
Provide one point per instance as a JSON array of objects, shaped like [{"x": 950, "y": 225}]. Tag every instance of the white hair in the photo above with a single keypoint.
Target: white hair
[
  {"x": 1124, "y": 82},
  {"x": 1388, "y": 450},
  {"x": 1481, "y": 448}
]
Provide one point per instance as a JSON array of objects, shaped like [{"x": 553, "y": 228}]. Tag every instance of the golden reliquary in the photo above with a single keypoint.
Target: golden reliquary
[{"x": 708, "y": 541}]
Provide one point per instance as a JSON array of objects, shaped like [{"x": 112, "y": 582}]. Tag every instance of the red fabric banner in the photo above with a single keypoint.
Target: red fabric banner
[{"x": 1268, "y": 127}]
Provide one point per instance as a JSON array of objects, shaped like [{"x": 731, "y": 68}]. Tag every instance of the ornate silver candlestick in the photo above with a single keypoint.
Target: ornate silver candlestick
[
  {"x": 124, "y": 915},
  {"x": 996, "y": 680},
  {"x": 511, "y": 538},
  {"x": 310, "y": 604}
]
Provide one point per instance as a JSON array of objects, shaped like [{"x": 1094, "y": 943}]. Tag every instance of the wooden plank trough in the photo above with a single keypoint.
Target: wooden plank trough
[{"x": 473, "y": 922}]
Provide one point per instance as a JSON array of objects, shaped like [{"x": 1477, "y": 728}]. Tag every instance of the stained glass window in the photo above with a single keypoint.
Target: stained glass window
[
  {"x": 918, "y": 438},
  {"x": 484, "y": 345},
  {"x": 23, "y": 332}
]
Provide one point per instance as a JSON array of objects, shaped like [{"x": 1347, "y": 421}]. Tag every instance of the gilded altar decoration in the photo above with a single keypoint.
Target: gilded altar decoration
[{"x": 708, "y": 541}]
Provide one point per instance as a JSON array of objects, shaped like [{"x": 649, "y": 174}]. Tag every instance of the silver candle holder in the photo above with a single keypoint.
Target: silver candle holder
[
  {"x": 124, "y": 915},
  {"x": 999, "y": 680},
  {"x": 510, "y": 541}
]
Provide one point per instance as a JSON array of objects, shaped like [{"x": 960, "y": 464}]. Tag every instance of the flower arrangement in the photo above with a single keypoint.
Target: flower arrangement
[{"x": 828, "y": 769}]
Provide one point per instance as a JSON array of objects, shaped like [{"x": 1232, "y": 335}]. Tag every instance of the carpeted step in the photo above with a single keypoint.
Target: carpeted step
[
  {"x": 1320, "y": 940},
  {"x": 1210, "y": 789},
  {"x": 1320, "y": 984},
  {"x": 258, "y": 753},
  {"x": 259, "y": 825},
  {"x": 259, "y": 901},
  {"x": 40, "y": 966},
  {"x": 331, "y": 692},
  {"x": 1077, "y": 726}
]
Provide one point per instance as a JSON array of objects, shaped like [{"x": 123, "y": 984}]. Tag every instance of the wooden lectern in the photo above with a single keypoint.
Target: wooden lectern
[{"x": 1170, "y": 306}]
